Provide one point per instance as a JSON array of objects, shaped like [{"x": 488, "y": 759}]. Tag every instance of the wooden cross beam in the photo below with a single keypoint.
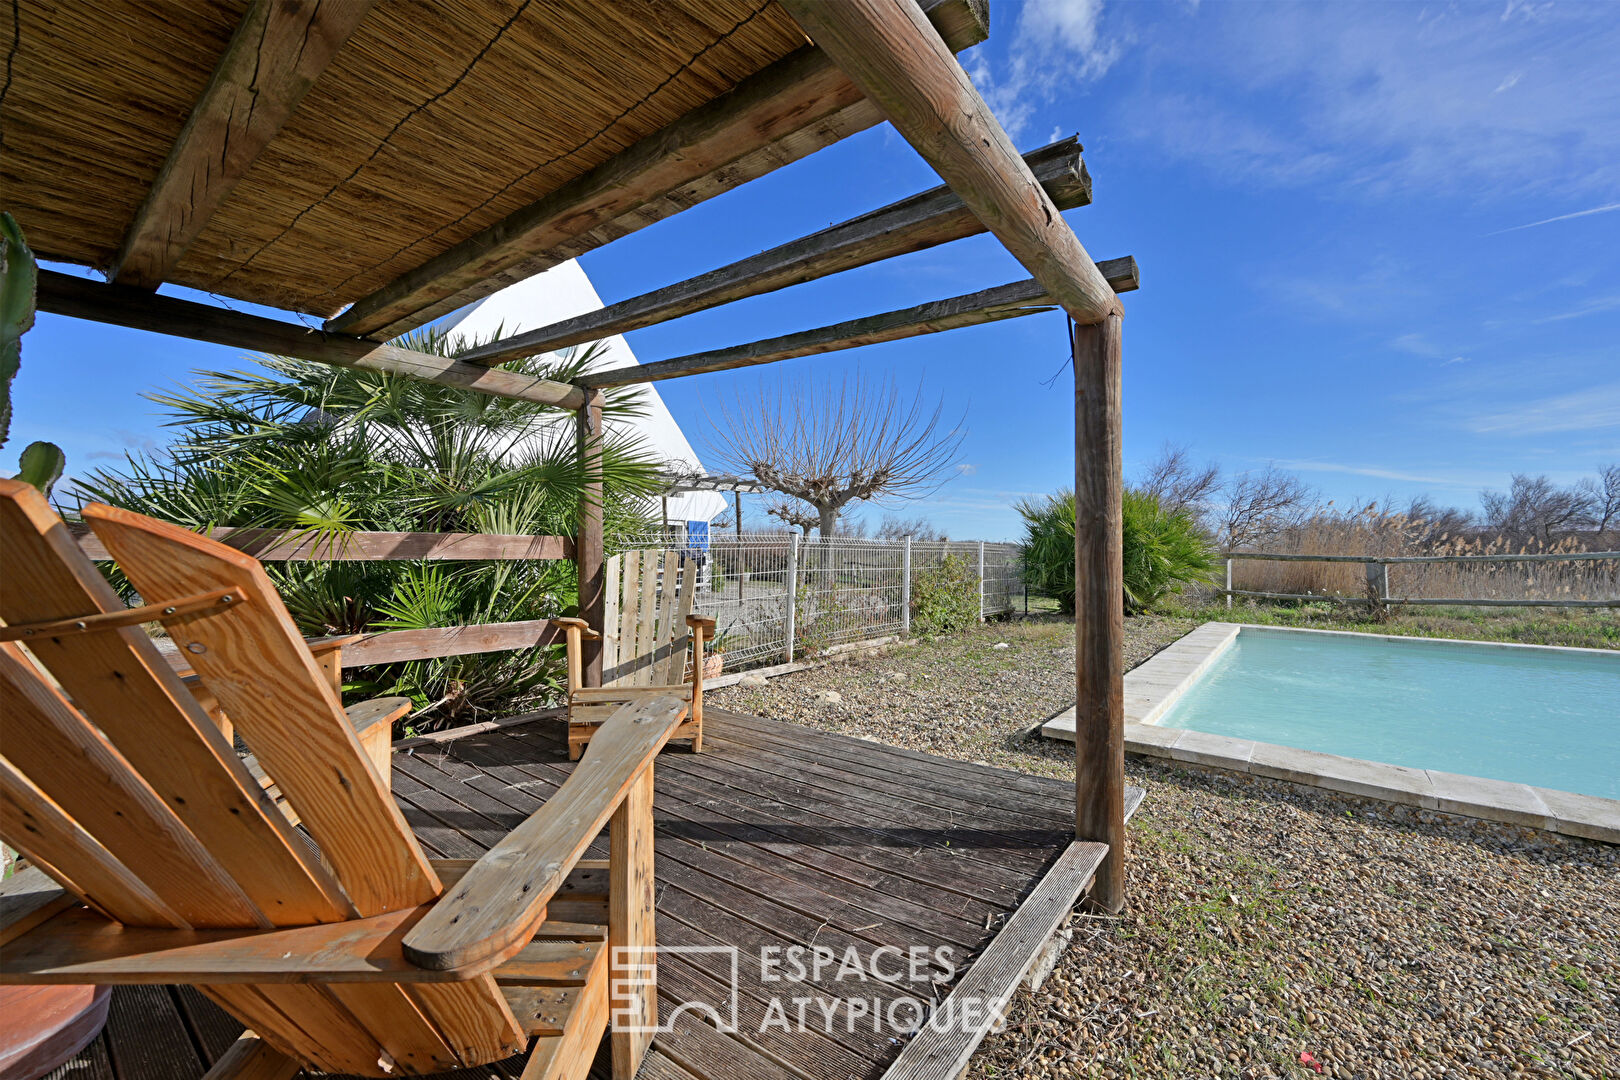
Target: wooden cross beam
[
  {"x": 934, "y": 217},
  {"x": 1009, "y": 301},
  {"x": 275, "y": 56},
  {"x": 790, "y": 109},
  {"x": 121, "y": 305},
  {"x": 887, "y": 48}
]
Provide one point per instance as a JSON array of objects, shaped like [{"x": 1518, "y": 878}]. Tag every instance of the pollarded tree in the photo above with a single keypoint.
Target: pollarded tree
[{"x": 832, "y": 445}]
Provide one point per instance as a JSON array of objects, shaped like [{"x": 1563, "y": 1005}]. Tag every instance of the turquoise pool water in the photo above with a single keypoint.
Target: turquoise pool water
[{"x": 1544, "y": 717}]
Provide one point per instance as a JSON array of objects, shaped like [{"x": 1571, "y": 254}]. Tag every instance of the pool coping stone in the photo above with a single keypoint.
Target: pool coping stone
[{"x": 1153, "y": 686}]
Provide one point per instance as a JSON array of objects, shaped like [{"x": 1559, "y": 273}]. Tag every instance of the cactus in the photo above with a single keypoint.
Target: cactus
[
  {"x": 17, "y": 278},
  {"x": 42, "y": 463}
]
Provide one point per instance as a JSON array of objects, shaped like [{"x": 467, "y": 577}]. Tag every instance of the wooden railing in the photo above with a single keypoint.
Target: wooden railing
[
  {"x": 392, "y": 646},
  {"x": 1378, "y": 579}
]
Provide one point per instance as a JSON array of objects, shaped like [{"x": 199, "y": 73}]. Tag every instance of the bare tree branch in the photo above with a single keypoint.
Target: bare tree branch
[{"x": 831, "y": 446}]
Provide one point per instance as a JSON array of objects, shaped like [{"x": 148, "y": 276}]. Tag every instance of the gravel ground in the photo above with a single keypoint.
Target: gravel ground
[{"x": 1264, "y": 921}]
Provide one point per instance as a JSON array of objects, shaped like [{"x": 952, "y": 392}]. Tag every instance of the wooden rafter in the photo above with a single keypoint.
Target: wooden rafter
[
  {"x": 933, "y": 217},
  {"x": 275, "y": 56},
  {"x": 791, "y": 109},
  {"x": 1011, "y": 301},
  {"x": 889, "y": 50},
  {"x": 120, "y": 305}
]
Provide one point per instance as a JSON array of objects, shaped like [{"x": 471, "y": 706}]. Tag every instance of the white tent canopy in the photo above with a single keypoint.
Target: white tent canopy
[{"x": 561, "y": 293}]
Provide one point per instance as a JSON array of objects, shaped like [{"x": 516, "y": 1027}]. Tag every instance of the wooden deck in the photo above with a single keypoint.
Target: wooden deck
[{"x": 777, "y": 835}]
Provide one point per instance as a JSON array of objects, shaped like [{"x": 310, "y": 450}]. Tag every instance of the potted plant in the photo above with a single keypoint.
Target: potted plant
[{"x": 714, "y": 654}]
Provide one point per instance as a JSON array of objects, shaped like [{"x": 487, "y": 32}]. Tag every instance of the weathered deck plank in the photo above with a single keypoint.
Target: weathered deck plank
[{"x": 776, "y": 836}]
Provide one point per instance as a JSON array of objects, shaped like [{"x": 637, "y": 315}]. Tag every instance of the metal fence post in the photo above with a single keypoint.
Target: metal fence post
[
  {"x": 905, "y": 589},
  {"x": 792, "y": 595},
  {"x": 1228, "y": 584},
  {"x": 981, "y": 581}
]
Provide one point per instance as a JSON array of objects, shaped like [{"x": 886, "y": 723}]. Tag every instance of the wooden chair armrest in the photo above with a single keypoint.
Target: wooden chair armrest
[
  {"x": 384, "y": 710},
  {"x": 497, "y": 906},
  {"x": 584, "y": 627},
  {"x": 321, "y": 645},
  {"x": 82, "y": 946},
  {"x": 704, "y": 623}
]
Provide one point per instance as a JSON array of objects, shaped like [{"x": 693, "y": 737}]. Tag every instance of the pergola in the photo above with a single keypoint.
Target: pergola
[{"x": 370, "y": 166}]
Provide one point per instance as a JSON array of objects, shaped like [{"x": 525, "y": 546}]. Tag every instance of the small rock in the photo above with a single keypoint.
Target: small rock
[
  {"x": 1001, "y": 645},
  {"x": 753, "y": 678},
  {"x": 829, "y": 697}
]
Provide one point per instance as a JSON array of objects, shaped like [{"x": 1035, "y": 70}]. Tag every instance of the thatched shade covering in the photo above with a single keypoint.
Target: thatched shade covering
[{"x": 432, "y": 121}]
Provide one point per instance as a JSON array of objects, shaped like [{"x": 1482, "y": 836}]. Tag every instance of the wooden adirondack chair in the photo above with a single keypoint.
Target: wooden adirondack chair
[
  {"x": 648, "y": 632},
  {"x": 178, "y": 865}
]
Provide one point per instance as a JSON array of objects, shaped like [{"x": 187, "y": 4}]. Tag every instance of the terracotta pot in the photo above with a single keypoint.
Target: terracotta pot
[
  {"x": 713, "y": 665},
  {"x": 48, "y": 1025}
]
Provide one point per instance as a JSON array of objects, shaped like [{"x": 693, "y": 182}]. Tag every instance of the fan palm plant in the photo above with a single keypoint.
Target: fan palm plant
[
  {"x": 1164, "y": 550},
  {"x": 325, "y": 452}
]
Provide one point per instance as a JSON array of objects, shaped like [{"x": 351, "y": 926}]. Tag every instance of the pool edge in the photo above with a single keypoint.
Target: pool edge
[{"x": 1153, "y": 686}]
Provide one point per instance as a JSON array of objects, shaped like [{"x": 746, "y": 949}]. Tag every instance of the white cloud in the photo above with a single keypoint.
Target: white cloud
[
  {"x": 1561, "y": 217},
  {"x": 1418, "y": 345},
  {"x": 1055, "y": 44},
  {"x": 1593, "y": 408},
  {"x": 1456, "y": 480},
  {"x": 1386, "y": 99},
  {"x": 966, "y": 469}
]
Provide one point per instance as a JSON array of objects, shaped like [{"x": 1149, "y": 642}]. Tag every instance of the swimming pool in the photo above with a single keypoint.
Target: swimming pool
[{"x": 1548, "y": 717}]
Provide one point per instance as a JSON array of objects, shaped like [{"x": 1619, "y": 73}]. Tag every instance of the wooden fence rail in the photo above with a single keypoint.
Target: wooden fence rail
[
  {"x": 393, "y": 646},
  {"x": 1378, "y": 579}
]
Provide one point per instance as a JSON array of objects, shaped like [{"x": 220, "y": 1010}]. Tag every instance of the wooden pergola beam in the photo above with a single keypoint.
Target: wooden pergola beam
[
  {"x": 790, "y": 109},
  {"x": 1011, "y": 301},
  {"x": 277, "y": 52},
  {"x": 888, "y": 49},
  {"x": 933, "y": 217},
  {"x": 121, "y": 305}
]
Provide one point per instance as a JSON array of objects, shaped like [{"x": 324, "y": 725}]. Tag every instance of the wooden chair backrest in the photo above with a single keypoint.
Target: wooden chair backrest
[
  {"x": 645, "y": 639},
  {"x": 119, "y": 785}
]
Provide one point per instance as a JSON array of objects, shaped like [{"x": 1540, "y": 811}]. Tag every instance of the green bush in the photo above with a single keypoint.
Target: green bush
[
  {"x": 944, "y": 598},
  {"x": 1164, "y": 550}
]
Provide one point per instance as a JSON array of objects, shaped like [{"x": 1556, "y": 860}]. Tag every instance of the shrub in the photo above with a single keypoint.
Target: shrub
[
  {"x": 1164, "y": 550},
  {"x": 944, "y": 598}
]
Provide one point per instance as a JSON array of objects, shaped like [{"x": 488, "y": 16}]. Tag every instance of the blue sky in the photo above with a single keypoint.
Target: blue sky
[{"x": 1380, "y": 246}]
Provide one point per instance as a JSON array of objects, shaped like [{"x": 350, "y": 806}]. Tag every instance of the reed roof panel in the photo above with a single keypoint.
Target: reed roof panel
[{"x": 435, "y": 119}]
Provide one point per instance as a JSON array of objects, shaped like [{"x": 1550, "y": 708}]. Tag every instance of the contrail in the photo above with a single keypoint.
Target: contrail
[{"x": 1560, "y": 217}]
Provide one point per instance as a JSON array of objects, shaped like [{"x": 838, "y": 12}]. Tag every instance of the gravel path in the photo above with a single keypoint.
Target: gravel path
[{"x": 1265, "y": 921}]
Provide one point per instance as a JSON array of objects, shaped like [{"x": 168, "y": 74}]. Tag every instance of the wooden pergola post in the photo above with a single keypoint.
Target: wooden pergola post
[
  {"x": 887, "y": 48},
  {"x": 1099, "y": 604},
  {"x": 588, "y": 547}
]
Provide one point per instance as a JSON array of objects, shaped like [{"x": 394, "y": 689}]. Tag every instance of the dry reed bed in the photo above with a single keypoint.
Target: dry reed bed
[{"x": 1394, "y": 536}]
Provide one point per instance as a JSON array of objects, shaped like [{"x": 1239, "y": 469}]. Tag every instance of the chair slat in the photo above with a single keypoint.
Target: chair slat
[
  {"x": 612, "y": 582},
  {"x": 255, "y": 661},
  {"x": 387, "y": 1012},
  {"x": 122, "y": 683},
  {"x": 323, "y": 1031},
  {"x": 674, "y": 669},
  {"x": 646, "y": 618},
  {"x": 474, "y": 1016},
  {"x": 39, "y": 829},
  {"x": 663, "y": 639},
  {"x": 74, "y": 765}
]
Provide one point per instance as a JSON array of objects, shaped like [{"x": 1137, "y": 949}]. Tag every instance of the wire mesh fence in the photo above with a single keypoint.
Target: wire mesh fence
[{"x": 777, "y": 596}]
